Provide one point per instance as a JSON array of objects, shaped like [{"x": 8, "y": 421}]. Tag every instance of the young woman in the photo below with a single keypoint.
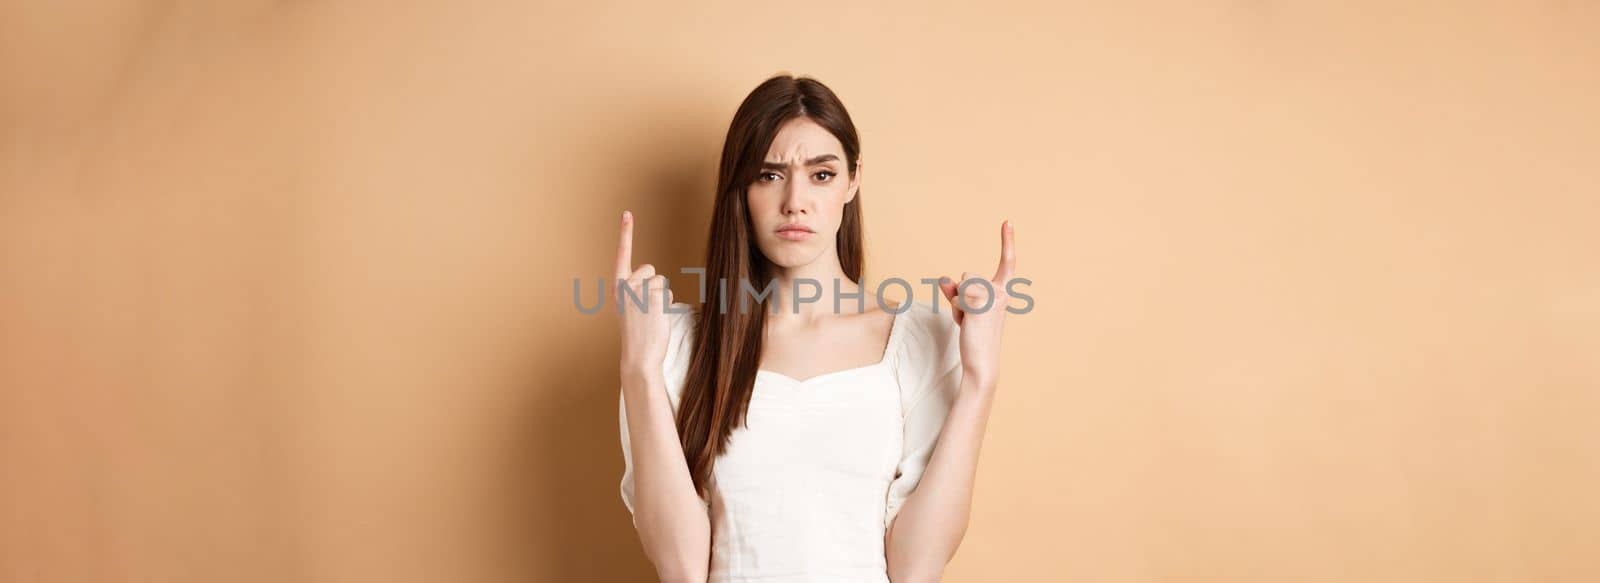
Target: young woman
[{"x": 777, "y": 440}]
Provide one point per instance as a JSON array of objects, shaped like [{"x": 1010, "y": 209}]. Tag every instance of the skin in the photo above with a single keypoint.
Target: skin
[{"x": 668, "y": 515}]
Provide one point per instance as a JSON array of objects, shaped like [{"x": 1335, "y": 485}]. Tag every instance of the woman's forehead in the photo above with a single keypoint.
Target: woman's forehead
[{"x": 801, "y": 139}]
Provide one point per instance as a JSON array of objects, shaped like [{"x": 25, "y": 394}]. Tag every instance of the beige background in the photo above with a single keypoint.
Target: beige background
[{"x": 286, "y": 286}]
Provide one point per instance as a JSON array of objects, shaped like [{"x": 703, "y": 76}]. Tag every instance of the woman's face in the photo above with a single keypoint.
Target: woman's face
[{"x": 804, "y": 185}]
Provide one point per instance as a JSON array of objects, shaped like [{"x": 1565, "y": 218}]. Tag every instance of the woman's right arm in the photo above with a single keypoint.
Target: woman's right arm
[{"x": 668, "y": 513}]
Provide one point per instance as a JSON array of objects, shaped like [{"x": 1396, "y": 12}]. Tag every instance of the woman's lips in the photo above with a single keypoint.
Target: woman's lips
[{"x": 795, "y": 232}]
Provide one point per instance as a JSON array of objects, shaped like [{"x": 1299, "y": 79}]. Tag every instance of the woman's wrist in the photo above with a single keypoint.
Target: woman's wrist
[{"x": 638, "y": 376}]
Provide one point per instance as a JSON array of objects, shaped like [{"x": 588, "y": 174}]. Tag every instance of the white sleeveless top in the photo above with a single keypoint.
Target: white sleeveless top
[{"x": 808, "y": 486}]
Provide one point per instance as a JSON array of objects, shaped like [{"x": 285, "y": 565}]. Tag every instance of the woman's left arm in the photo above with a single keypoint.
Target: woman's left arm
[{"x": 933, "y": 519}]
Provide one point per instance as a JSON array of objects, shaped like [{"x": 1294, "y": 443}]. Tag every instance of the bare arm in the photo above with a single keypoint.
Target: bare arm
[
  {"x": 933, "y": 520},
  {"x": 668, "y": 514}
]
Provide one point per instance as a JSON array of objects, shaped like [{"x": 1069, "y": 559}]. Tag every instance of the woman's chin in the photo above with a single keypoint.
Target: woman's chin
[{"x": 791, "y": 257}]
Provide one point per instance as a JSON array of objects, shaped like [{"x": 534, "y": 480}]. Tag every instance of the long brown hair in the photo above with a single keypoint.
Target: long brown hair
[{"x": 727, "y": 342}]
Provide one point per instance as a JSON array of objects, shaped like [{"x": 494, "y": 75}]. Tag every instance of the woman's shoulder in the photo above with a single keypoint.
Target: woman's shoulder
[
  {"x": 927, "y": 336},
  {"x": 681, "y": 318},
  {"x": 927, "y": 318}
]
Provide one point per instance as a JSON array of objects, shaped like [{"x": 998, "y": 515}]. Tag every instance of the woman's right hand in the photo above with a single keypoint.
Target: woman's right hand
[{"x": 644, "y": 329}]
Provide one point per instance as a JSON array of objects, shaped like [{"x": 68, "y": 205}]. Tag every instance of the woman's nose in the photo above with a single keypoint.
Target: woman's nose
[{"x": 794, "y": 198}]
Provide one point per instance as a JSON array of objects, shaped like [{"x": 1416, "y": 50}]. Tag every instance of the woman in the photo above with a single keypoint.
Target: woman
[{"x": 790, "y": 440}]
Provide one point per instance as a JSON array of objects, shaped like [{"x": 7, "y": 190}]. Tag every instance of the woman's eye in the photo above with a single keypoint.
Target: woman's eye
[
  {"x": 768, "y": 176},
  {"x": 824, "y": 175}
]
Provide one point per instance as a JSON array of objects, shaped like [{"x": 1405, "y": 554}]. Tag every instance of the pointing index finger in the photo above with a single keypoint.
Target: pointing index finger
[
  {"x": 1008, "y": 254},
  {"x": 625, "y": 247}
]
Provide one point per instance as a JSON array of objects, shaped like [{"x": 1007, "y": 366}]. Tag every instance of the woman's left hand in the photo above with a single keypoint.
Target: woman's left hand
[{"x": 980, "y": 311}]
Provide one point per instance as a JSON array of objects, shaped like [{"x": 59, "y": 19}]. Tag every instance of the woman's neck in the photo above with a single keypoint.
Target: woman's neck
[{"x": 816, "y": 285}]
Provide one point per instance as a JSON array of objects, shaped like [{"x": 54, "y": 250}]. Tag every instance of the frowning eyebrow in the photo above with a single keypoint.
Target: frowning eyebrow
[{"x": 812, "y": 162}]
